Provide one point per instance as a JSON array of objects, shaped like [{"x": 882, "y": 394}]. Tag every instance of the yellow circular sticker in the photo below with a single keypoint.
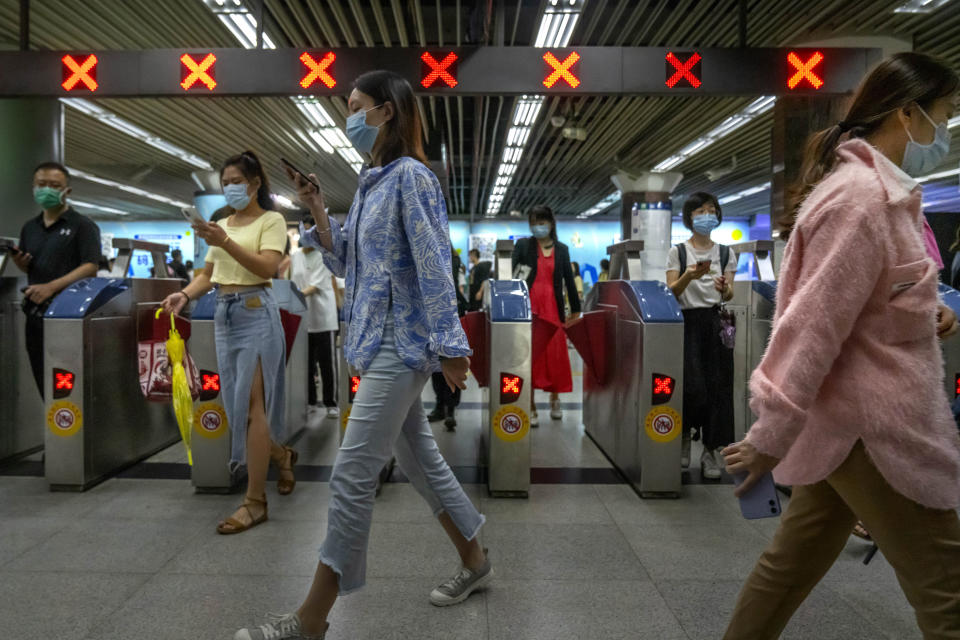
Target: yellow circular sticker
[
  {"x": 344, "y": 418},
  {"x": 210, "y": 420},
  {"x": 64, "y": 418},
  {"x": 663, "y": 424},
  {"x": 511, "y": 423}
]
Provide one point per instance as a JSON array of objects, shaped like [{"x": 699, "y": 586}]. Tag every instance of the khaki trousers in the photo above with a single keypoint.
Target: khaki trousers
[{"x": 922, "y": 545}]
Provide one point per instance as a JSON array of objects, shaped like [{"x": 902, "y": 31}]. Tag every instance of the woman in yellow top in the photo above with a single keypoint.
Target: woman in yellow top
[{"x": 245, "y": 251}]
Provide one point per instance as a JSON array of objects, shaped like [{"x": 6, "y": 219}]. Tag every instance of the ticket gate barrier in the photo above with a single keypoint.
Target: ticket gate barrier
[
  {"x": 21, "y": 408},
  {"x": 951, "y": 346},
  {"x": 212, "y": 439},
  {"x": 753, "y": 305},
  {"x": 630, "y": 337},
  {"x": 98, "y": 420},
  {"x": 500, "y": 337},
  {"x": 503, "y": 260}
]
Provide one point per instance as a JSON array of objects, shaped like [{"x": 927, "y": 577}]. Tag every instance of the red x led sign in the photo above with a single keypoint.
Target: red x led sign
[
  {"x": 561, "y": 70},
  {"x": 663, "y": 386},
  {"x": 354, "y": 386},
  {"x": 80, "y": 75},
  {"x": 444, "y": 71},
  {"x": 683, "y": 74},
  {"x": 957, "y": 387},
  {"x": 510, "y": 387},
  {"x": 193, "y": 72},
  {"x": 209, "y": 385},
  {"x": 318, "y": 70},
  {"x": 804, "y": 71},
  {"x": 63, "y": 382}
]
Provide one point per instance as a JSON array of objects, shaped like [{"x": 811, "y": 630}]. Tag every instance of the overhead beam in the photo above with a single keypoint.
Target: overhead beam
[{"x": 477, "y": 71}]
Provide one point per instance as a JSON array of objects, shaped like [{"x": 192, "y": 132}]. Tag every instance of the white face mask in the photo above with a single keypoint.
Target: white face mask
[{"x": 920, "y": 159}]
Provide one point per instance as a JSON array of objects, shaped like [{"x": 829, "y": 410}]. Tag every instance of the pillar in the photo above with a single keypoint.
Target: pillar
[
  {"x": 32, "y": 132},
  {"x": 646, "y": 213}
]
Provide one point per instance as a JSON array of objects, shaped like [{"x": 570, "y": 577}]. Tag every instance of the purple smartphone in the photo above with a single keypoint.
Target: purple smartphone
[{"x": 760, "y": 502}]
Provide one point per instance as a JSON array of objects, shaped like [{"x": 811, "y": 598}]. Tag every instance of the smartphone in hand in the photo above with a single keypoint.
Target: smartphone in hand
[
  {"x": 305, "y": 177},
  {"x": 762, "y": 500},
  {"x": 191, "y": 215},
  {"x": 704, "y": 264}
]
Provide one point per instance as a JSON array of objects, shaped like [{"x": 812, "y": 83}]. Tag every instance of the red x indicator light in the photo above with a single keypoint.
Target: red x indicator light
[
  {"x": 192, "y": 71},
  {"x": 561, "y": 70},
  {"x": 354, "y": 386},
  {"x": 663, "y": 386},
  {"x": 318, "y": 70},
  {"x": 445, "y": 70},
  {"x": 77, "y": 75},
  {"x": 510, "y": 387},
  {"x": 804, "y": 70},
  {"x": 683, "y": 74},
  {"x": 63, "y": 382},
  {"x": 211, "y": 382}
]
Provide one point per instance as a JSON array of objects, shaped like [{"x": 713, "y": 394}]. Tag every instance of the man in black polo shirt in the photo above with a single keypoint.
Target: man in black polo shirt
[
  {"x": 57, "y": 248},
  {"x": 176, "y": 263},
  {"x": 479, "y": 273}
]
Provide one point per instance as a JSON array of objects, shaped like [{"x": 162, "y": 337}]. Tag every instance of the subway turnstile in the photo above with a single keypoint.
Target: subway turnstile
[
  {"x": 98, "y": 421},
  {"x": 21, "y": 409},
  {"x": 211, "y": 431},
  {"x": 753, "y": 305},
  {"x": 951, "y": 345},
  {"x": 500, "y": 337},
  {"x": 631, "y": 339}
]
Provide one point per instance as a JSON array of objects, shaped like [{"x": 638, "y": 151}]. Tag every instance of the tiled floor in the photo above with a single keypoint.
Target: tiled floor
[{"x": 139, "y": 559}]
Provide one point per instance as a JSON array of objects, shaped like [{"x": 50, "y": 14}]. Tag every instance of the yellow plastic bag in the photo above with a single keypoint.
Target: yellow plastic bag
[{"x": 182, "y": 401}]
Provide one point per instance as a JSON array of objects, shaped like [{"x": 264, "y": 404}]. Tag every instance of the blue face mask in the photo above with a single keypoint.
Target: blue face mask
[
  {"x": 236, "y": 195},
  {"x": 705, "y": 224},
  {"x": 540, "y": 231},
  {"x": 920, "y": 159},
  {"x": 360, "y": 134}
]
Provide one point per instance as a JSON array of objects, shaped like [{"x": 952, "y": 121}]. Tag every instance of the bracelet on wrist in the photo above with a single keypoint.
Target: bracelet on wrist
[{"x": 184, "y": 294}]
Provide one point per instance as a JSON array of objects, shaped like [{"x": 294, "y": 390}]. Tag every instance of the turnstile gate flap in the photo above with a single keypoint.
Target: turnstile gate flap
[
  {"x": 541, "y": 334},
  {"x": 766, "y": 288},
  {"x": 950, "y": 297},
  {"x": 655, "y": 301},
  {"x": 206, "y": 307},
  {"x": 509, "y": 301},
  {"x": 475, "y": 326},
  {"x": 588, "y": 333},
  {"x": 85, "y": 296},
  {"x": 289, "y": 297}
]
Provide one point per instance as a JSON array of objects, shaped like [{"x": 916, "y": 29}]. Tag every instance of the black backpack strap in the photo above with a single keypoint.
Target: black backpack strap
[
  {"x": 724, "y": 257},
  {"x": 682, "y": 255}
]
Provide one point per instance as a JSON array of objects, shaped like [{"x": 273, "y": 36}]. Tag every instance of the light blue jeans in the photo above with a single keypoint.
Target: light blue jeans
[{"x": 387, "y": 419}]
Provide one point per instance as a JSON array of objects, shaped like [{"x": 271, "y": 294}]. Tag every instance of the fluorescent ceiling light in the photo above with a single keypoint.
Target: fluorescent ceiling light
[
  {"x": 240, "y": 22},
  {"x": 938, "y": 175},
  {"x": 125, "y": 187},
  {"x": 112, "y": 120},
  {"x": 283, "y": 201},
  {"x": 601, "y": 206},
  {"x": 953, "y": 122},
  {"x": 745, "y": 193},
  {"x": 920, "y": 6},
  {"x": 756, "y": 108},
  {"x": 90, "y": 205}
]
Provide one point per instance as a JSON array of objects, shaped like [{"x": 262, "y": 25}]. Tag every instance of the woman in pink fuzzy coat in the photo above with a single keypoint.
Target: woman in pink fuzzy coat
[{"x": 849, "y": 396}]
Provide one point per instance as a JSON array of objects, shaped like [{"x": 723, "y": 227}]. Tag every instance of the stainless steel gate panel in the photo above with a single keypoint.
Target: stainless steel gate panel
[
  {"x": 21, "y": 408},
  {"x": 508, "y": 451}
]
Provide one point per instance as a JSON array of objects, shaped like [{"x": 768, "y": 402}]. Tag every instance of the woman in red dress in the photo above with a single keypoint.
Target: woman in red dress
[{"x": 544, "y": 262}]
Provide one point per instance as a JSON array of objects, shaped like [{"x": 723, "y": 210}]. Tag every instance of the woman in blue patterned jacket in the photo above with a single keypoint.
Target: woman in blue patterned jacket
[{"x": 400, "y": 307}]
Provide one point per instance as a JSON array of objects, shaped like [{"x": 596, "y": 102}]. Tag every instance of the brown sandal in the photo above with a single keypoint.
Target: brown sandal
[
  {"x": 285, "y": 487},
  {"x": 235, "y": 526}
]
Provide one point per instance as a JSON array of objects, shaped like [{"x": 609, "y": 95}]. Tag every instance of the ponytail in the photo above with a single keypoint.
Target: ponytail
[
  {"x": 896, "y": 82},
  {"x": 249, "y": 165}
]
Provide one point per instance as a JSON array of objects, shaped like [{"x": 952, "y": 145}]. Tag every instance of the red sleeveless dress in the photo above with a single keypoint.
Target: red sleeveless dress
[{"x": 551, "y": 367}]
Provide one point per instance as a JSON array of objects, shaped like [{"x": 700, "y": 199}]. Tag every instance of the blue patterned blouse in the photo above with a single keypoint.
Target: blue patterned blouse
[{"x": 394, "y": 249}]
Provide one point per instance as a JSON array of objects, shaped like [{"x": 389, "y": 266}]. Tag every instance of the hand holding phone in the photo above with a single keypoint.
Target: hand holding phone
[
  {"x": 292, "y": 171},
  {"x": 192, "y": 216}
]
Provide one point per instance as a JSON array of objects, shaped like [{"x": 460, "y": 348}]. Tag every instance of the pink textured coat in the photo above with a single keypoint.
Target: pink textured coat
[{"x": 854, "y": 353}]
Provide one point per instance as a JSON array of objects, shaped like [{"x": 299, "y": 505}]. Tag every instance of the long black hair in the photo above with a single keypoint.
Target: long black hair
[
  {"x": 403, "y": 135},
  {"x": 249, "y": 165},
  {"x": 543, "y": 213}
]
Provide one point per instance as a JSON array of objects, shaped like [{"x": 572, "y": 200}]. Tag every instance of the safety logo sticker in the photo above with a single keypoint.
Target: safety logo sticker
[
  {"x": 511, "y": 423},
  {"x": 64, "y": 418},
  {"x": 344, "y": 418},
  {"x": 663, "y": 424},
  {"x": 210, "y": 420}
]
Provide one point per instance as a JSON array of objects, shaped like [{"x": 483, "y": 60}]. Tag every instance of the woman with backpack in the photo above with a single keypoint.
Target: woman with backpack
[{"x": 700, "y": 274}]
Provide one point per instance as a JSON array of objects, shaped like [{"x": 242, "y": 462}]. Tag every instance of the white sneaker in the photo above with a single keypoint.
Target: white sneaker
[
  {"x": 534, "y": 421},
  {"x": 333, "y": 412},
  {"x": 459, "y": 587},
  {"x": 556, "y": 413},
  {"x": 685, "y": 452},
  {"x": 279, "y": 627},
  {"x": 709, "y": 467}
]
